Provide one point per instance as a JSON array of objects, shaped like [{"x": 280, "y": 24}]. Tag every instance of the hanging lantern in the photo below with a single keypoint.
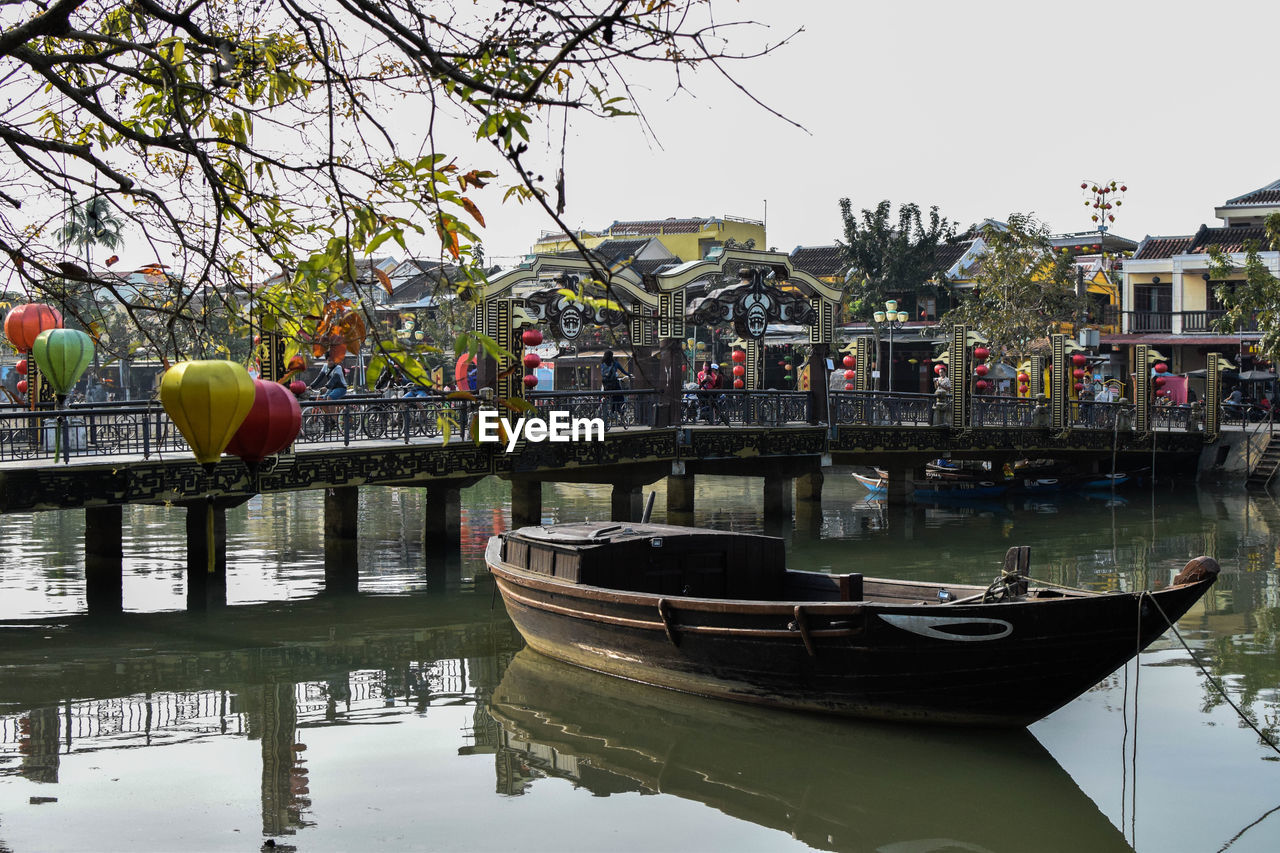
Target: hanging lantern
[
  {"x": 25, "y": 323},
  {"x": 848, "y": 386},
  {"x": 981, "y": 353},
  {"x": 1159, "y": 381},
  {"x": 939, "y": 369},
  {"x": 850, "y": 361},
  {"x": 849, "y": 374},
  {"x": 781, "y": 362},
  {"x": 531, "y": 360},
  {"x": 1161, "y": 367},
  {"x": 62, "y": 356},
  {"x": 298, "y": 387},
  {"x": 1078, "y": 373},
  {"x": 272, "y": 424},
  {"x": 1079, "y": 386},
  {"x": 207, "y": 400},
  {"x": 22, "y": 386},
  {"x": 739, "y": 356},
  {"x": 1022, "y": 377},
  {"x": 739, "y": 384},
  {"x": 21, "y": 367},
  {"x": 980, "y": 385},
  {"x": 981, "y": 370},
  {"x": 531, "y": 381},
  {"x": 531, "y": 337},
  {"x": 739, "y": 370},
  {"x": 786, "y": 369},
  {"x": 1079, "y": 360}
]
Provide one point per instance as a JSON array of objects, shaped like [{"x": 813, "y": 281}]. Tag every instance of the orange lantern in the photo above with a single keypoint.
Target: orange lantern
[{"x": 25, "y": 323}]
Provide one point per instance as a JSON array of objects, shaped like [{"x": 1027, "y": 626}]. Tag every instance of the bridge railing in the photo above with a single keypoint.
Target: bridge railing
[
  {"x": 747, "y": 408},
  {"x": 100, "y": 429},
  {"x": 369, "y": 417},
  {"x": 880, "y": 408},
  {"x": 615, "y": 408},
  {"x": 993, "y": 411}
]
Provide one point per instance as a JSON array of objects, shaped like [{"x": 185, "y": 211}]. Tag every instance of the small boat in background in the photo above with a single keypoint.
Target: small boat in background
[
  {"x": 875, "y": 485},
  {"x": 719, "y": 614}
]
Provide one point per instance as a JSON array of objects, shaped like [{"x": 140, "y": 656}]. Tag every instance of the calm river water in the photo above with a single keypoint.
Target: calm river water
[{"x": 409, "y": 718}]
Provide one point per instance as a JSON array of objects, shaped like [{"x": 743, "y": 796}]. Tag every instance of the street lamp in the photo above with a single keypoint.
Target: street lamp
[{"x": 892, "y": 319}]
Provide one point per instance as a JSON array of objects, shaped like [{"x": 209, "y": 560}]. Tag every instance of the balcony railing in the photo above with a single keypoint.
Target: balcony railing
[{"x": 1193, "y": 322}]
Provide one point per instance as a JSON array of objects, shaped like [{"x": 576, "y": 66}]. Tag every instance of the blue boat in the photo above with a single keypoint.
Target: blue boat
[
  {"x": 1103, "y": 481},
  {"x": 950, "y": 490}
]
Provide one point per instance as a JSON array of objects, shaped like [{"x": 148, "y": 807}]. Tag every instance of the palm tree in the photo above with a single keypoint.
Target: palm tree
[{"x": 91, "y": 223}]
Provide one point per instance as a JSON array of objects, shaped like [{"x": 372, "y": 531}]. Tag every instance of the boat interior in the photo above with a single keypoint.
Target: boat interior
[{"x": 658, "y": 559}]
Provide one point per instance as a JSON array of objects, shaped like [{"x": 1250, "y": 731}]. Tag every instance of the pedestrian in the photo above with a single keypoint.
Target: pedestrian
[
  {"x": 332, "y": 380},
  {"x": 609, "y": 381}
]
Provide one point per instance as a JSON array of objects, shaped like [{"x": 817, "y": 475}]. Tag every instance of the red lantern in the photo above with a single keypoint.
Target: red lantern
[
  {"x": 531, "y": 381},
  {"x": 848, "y": 386},
  {"x": 1024, "y": 378},
  {"x": 980, "y": 385},
  {"x": 1159, "y": 381},
  {"x": 1079, "y": 360},
  {"x": 22, "y": 386},
  {"x": 1084, "y": 186},
  {"x": 849, "y": 374},
  {"x": 25, "y": 323},
  {"x": 781, "y": 362},
  {"x": 1078, "y": 373},
  {"x": 739, "y": 370},
  {"x": 271, "y": 425},
  {"x": 981, "y": 370},
  {"x": 939, "y": 369},
  {"x": 739, "y": 384},
  {"x": 257, "y": 340},
  {"x": 981, "y": 353},
  {"x": 850, "y": 361},
  {"x": 739, "y": 356},
  {"x": 21, "y": 367},
  {"x": 531, "y": 360},
  {"x": 1161, "y": 367},
  {"x": 531, "y": 337},
  {"x": 298, "y": 387}
]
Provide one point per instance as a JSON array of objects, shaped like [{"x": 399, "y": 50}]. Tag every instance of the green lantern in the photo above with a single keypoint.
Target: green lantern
[{"x": 63, "y": 355}]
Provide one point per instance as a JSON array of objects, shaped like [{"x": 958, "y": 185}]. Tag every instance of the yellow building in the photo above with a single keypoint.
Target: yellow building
[{"x": 689, "y": 239}]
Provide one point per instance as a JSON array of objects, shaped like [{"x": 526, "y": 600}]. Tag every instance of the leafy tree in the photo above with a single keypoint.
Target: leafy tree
[
  {"x": 1023, "y": 291},
  {"x": 283, "y": 140},
  {"x": 91, "y": 223},
  {"x": 1258, "y": 296},
  {"x": 888, "y": 257}
]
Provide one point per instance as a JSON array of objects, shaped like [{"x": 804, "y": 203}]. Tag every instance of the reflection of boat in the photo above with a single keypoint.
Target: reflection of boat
[
  {"x": 1102, "y": 481},
  {"x": 932, "y": 490},
  {"x": 832, "y": 784},
  {"x": 718, "y": 614}
]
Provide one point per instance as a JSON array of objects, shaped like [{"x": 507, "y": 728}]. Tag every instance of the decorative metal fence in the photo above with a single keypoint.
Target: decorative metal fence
[
  {"x": 879, "y": 408},
  {"x": 616, "y": 408},
  {"x": 748, "y": 408}
]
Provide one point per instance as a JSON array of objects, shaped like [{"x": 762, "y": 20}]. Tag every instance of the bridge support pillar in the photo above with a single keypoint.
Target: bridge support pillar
[
  {"x": 680, "y": 493},
  {"x": 898, "y": 487},
  {"x": 206, "y": 555},
  {"x": 625, "y": 503},
  {"x": 809, "y": 486},
  {"x": 341, "y": 521},
  {"x": 526, "y": 503},
  {"x": 104, "y": 559},
  {"x": 777, "y": 496},
  {"x": 443, "y": 529}
]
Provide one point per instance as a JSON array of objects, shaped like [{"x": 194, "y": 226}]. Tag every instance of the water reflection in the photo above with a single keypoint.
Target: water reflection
[{"x": 835, "y": 785}]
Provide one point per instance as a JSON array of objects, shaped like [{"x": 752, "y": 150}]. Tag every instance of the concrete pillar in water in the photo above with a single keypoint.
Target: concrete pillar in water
[
  {"x": 341, "y": 520},
  {"x": 777, "y": 496},
  {"x": 680, "y": 493},
  {"x": 443, "y": 529},
  {"x": 809, "y": 486},
  {"x": 206, "y": 555},
  {"x": 625, "y": 503},
  {"x": 104, "y": 559},
  {"x": 526, "y": 503},
  {"x": 898, "y": 487}
]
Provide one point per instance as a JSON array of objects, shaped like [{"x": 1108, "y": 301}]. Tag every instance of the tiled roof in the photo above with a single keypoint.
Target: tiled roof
[
  {"x": 1227, "y": 239},
  {"x": 819, "y": 261},
  {"x": 1270, "y": 194},
  {"x": 653, "y": 266},
  {"x": 613, "y": 251},
  {"x": 1162, "y": 247},
  {"x": 947, "y": 254},
  {"x": 652, "y": 227}
]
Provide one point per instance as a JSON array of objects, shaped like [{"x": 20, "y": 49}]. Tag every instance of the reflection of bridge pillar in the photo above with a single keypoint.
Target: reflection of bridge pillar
[
  {"x": 526, "y": 503},
  {"x": 625, "y": 503},
  {"x": 39, "y": 745},
  {"x": 206, "y": 555},
  {"x": 341, "y": 521},
  {"x": 104, "y": 558},
  {"x": 680, "y": 493},
  {"x": 443, "y": 529},
  {"x": 777, "y": 496}
]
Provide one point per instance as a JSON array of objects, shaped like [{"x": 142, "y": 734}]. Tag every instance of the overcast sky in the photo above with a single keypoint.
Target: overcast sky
[{"x": 980, "y": 108}]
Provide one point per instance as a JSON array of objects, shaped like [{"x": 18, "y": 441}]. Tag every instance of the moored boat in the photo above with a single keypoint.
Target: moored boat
[{"x": 718, "y": 614}]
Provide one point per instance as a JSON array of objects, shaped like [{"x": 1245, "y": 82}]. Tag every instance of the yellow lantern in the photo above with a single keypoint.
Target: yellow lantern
[{"x": 207, "y": 400}]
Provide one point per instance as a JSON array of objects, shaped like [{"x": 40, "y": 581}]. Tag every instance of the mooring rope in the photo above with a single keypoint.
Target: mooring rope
[{"x": 1217, "y": 686}]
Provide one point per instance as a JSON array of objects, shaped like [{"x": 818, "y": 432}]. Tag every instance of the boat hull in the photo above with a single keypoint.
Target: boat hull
[{"x": 989, "y": 665}]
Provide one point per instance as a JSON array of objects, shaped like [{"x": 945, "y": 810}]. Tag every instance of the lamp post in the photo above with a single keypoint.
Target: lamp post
[{"x": 892, "y": 319}]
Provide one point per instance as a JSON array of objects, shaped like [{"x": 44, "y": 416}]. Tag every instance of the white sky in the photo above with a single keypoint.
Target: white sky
[{"x": 981, "y": 108}]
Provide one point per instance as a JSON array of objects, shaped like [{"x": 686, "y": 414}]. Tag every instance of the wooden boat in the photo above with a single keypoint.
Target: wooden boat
[
  {"x": 718, "y": 614},
  {"x": 875, "y": 485},
  {"x": 935, "y": 490}
]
